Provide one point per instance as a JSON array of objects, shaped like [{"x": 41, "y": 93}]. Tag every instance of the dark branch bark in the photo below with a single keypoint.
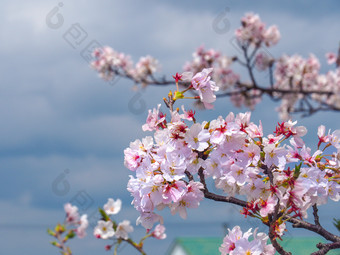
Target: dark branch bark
[
  {"x": 189, "y": 175},
  {"x": 324, "y": 248},
  {"x": 316, "y": 216},
  {"x": 215, "y": 197},
  {"x": 314, "y": 228},
  {"x": 276, "y": 245}
]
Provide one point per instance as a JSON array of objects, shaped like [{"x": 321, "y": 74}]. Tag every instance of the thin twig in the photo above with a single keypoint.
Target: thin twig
[
  {"x": 219, "y": 198},
  {"x": 316, "y": 216}
]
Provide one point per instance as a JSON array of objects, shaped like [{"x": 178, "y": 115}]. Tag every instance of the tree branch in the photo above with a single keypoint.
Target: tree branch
[
  {"x": 215, "y": 197},
  {"x": 324, "y": 248},
  {"x": 314, "y": 228},
  {"x": 316, "y": 216}
]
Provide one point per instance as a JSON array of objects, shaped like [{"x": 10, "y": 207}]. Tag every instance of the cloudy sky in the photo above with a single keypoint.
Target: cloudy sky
[{"x": 63, "y": 130}]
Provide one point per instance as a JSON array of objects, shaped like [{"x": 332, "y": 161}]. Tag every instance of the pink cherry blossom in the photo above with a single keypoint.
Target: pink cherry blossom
[
  {"x": 112, "y": 206},
  {"x": 104, "y": 229},
  {"x": 331, "y": 58},
  {"x": 197, "y": 137},
  {"x": 72, "y": 215},
  {"x": 159, "y": 232},
  {"x": 123, "y": 229},
  {"x": 81, "y": 230}
]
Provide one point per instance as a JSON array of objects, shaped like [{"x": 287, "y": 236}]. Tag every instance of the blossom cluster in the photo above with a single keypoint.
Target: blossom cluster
[
  {"x": 269, "y": 172},
  {"x": 74, "y": 219},
  {"x": 236, "y": 242},
  {"x": 74, "y": 225},
  {"x": 299, "y": 74},
  {"x": 253, "y": 31},
  {"x": 107, "y": 228},
  {"x": 242, "y": 161},
  {"x": 296, "y": 81},
  {"x": 222, "y": 73},
  {"x": 204, "y": 86},
  {"x": 160, "y": 163},
  {"x": 109, "y": 63}
]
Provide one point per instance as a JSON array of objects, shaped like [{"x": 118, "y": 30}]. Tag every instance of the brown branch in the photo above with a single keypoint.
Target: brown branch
[
  {"x": 219, "y": 198},
  {"x": 248, "y": 65},
  {"x": 272, "y": 223},
  {"x": 324, "y": 248},
  {"x": 316, "y": 216},
  {"x": 243, "y": 89},
  {"x": 271, "y": 76},
  {"x": 189, "y": 175},
  {"x": 137, "y": 247},
  {"x": 314, "y": 228},
  {"x": 276, "y": 245},
  {"x": 215, "y": 197}
]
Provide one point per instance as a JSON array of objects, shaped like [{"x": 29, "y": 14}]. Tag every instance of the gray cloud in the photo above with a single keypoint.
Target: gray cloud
[{"x": 57, "y": 114}]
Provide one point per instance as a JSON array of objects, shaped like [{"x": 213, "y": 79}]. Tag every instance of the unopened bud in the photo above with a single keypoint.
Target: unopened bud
[
  {"x": 60, "y": 228},
  {"x": 56, "y": 244}
]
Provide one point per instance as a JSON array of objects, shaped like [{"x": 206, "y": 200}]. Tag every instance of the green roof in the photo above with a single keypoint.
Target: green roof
[{"x": 210, "y": 245}]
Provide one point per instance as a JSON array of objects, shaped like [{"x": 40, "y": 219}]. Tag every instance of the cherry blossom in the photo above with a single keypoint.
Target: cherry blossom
[
  {"x": 123, "y": 229},
  {"x": 331, "y": 58},
  {"x": 202, "y": 83},
  {"x": 253, "y": 31},
  {"x": 104, "y": 230},
  {"x": 159, "y": 232},
  {"x": 235, "y": 242},
  {"x": 72, "y": 215},
  {"x": 81, "y": 230},
  {"x": 242, "y": 161},
  {"x": 112, "y": 206},
  {"x": 278, "y": 176},
  {"x": 74, "y": 220}
]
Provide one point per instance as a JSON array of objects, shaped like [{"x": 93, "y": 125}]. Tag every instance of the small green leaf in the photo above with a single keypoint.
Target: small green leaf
[
  {"x": 103, "y": 214},
  {"x": 297, "y": 171},
  {"x": 55, "y": 243},
  {"x": 69, "y": 235},
  {"x": 50, "y": 232},
  {"x": 318, "y": 157},
  {"x": 69, "y": 251},
  {"x": 262, "y": 154},
  {"x": 178, "y": 95}
]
